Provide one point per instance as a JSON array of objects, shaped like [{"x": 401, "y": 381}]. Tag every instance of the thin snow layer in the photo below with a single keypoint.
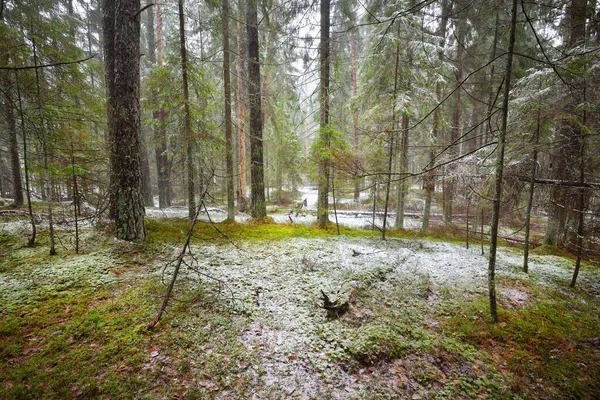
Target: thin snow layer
[
  {"x": 214, "y": 214},
  {"x": 32, "y": 281},
  {"x": 279, "y": 284}
]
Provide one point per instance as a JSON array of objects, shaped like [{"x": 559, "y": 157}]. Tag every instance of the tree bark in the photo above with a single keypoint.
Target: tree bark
[
  {"x": 122, "y": 59},
  {"x": 45, "y": 152},
  {"x": 228, "y": 127},
  {"x": 189, "y": 144},
  {"x": 145, "y": 167},
  {"x": 241, "y": 112},
  {"x": 32, "y": 238},
  {"x": 568, "y": 136},
  {"x": 500, "y": 168},
  {"x": 11, "y": 127},
  {"x": 325, "y": 134},
  {"x": 160, "y": 131},
  {"x": 450, "y": 184},
  {"x": 257, "y": 180},
  {"x": 355, "y": 111},
  {"x": 402, "y": 188},
  {"x": 437, "y": 121},
  {"x": 531, "y": 191},
  {"x": 391, "y": 143}
]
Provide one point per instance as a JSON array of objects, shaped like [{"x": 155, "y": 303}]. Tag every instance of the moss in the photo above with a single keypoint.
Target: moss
[
  {"x": 549, "y": 250},
  {"x": 175, "y": 231},
  {"x": 384, "y": 339},
  {"x": 545, "y": 342}
]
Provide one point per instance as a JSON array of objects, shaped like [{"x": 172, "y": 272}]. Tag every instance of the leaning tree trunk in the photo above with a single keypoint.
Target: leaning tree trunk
[
  {"x": 189, "y": 144},
  {"x": 325, "y": 134},
  {"x": 228, "y": 127},
  {"x": 500, "y": 168},
  {"x": 257, "y": 178},
  {"x": 122, "y": 54}
]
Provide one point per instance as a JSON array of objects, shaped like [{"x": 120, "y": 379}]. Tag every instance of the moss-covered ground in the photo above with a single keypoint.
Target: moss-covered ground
[{"x": 245, "y": 318}]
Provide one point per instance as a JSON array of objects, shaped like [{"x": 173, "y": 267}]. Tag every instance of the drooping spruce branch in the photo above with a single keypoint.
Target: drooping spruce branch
[{"x": 57, "y": 64}]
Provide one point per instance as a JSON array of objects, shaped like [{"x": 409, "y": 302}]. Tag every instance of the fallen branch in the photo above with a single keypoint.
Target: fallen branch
[{"x": 178, "y": 261}]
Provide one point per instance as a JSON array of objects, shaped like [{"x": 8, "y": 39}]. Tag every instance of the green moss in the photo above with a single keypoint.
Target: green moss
[
  {"x": 384, "y": 339},
  {"x": 175, "y": 231},
  {"x": 546, "y": 341}
]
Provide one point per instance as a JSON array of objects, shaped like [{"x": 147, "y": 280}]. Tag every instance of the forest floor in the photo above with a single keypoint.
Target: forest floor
[{"x": 245, "y": 320}]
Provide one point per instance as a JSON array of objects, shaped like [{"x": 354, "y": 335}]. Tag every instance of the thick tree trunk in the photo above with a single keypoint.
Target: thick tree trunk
[
  {"x": 122, "y": 53},
  {"x": 11, "y": 127},
  {"x": 324, "y": 167},
  {"x": 189, "y": 144},
  {"x": 257, "y": 180},
  {"x": 228, "y": 127},
  {"x": 500, "y": 168}
]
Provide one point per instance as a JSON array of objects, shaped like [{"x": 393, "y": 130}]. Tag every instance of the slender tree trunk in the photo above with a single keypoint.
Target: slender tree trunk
[
  {"x": 391, "y": 144},
  {"x": 257, "y": 179},
  {"x": 450, "y": 186},
  {"x": 568, "y": 136},
  {"x": 45, "y": 152},
  {"x": 228, "y": 127},
  {"x": 325, "y": 134},
  {"x": 355, "y": 111},
  {"x": 531, "y": 192},
  {"x": 31, "y": 241},
  {"x": 75, "y": 198},
  {"x": 241, "y": 111},
  {"x": 500, "y": 167},
  {"x": 189, "y": 144},
  {"x": 160, "y": 131},
  {"x": 491, "y": 94},
  {"x": 145, "y": 167},
  {"x": 122, "y": 53},
  {"x": 581, "y": 205},
  {"x": 430, "y": 176},
  {"x": 402, "y": 188}
]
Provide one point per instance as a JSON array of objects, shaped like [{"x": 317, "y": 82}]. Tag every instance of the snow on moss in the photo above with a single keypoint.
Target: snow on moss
[{"x": 33, "y": 275}]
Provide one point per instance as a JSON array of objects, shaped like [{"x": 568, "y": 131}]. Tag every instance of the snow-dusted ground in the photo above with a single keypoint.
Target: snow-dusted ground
[
  {"x": 358, "y": 218},
  {"x": 278, "y": 284}
]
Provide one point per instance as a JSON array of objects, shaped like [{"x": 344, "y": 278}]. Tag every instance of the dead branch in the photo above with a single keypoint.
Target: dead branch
[{"x": 178, "y": 261}]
